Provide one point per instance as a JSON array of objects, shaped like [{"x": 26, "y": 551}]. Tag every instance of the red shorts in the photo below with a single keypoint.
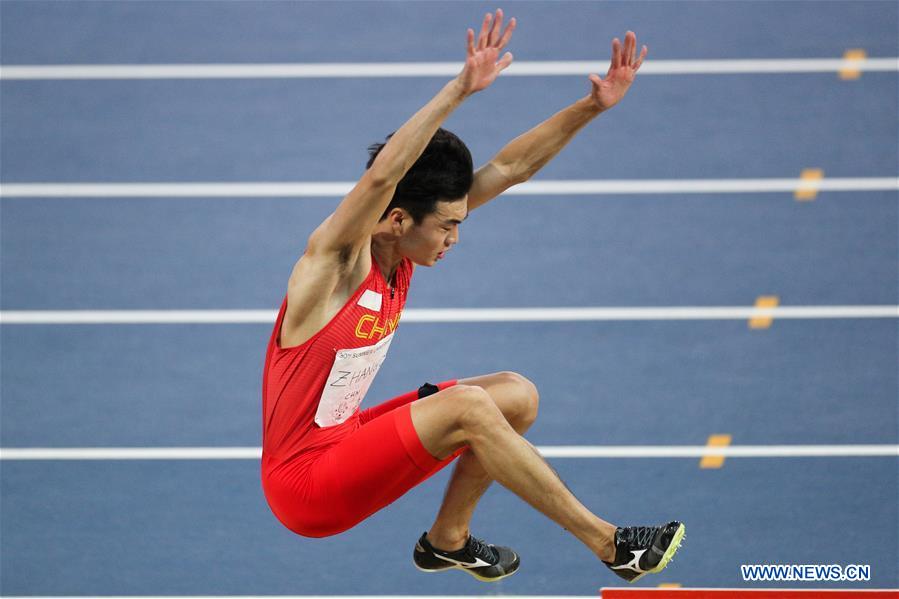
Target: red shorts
[{"x": 345, "y": 483}]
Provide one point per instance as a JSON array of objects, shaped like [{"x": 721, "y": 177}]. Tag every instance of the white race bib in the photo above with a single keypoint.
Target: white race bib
[{"x": 351, "y": 376}]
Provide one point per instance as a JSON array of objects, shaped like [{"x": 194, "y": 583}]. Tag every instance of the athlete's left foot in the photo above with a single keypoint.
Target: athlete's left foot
[
  {"x": 642, "y": 550},
  {"x": 487, "y": 563}
]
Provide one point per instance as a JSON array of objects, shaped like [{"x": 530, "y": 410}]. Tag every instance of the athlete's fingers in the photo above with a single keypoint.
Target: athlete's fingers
[
  {"x": 504, "y": 62},
  {"x": 485, "y": 27},
  {"x": 630, "y": 44},
  {"x": 497, "y": 27},
  {"x": 470, "y": 42},
  {"x": 616, "y": 53},
  {"x": 596, "y": 79},
  {"x": 508, "y": 34},
  {"x": 640, "y": 60}
]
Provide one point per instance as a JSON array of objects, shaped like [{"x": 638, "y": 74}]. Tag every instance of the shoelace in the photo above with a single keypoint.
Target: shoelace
[{"x": 480, "y": 549}]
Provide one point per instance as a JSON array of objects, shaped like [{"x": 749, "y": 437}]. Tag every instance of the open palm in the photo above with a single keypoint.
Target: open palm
[
  {"x": 482, "y": 64},
  {"x": 622, "y": 70}
]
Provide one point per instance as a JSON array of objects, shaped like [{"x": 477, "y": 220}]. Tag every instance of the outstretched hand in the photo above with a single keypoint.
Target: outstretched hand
[
  {"x": 481, "y": 65},
  {"x": 625, "y": 64}
]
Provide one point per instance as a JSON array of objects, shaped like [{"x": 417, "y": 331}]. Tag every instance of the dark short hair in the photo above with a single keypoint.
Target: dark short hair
[{"x": 443, "y": 172}]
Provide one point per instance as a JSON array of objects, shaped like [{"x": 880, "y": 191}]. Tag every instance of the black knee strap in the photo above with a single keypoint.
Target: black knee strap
[{"x": 427, "y": 389}]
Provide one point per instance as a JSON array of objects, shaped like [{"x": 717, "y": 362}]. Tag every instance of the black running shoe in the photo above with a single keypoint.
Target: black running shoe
[
  {"x": 641, "y": 550},
  {"x": 488, "y": 563}
]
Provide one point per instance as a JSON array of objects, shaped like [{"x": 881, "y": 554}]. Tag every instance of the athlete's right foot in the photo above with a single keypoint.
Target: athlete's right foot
[
  {"x": 642, "y": 550},
  {"x": 487, "y": 563}
]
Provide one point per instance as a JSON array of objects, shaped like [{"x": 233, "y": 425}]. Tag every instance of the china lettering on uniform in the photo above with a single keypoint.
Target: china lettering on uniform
[{"x": 369, "y": 326}]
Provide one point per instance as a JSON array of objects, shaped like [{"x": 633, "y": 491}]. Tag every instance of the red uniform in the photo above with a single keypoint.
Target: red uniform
[{"x": 326, "y": 465}]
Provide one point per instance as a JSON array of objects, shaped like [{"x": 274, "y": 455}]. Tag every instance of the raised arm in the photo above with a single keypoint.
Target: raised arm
[
  {"x": 358, "y": 213},
  {"x": 521, "y": 158}
]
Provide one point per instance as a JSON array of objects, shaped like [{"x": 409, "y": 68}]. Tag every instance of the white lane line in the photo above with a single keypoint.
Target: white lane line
[
  {"x": 548, "y": 451},
  {"x": 137, "y": 316},
  {"x": 322, "y": 189},
  {"x": 431, "y": 315},
  {"x": 434, "y": 69},
  {"x": 732, "y": 451}
]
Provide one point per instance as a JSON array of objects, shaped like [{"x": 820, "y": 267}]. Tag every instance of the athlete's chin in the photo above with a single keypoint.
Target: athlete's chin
[
  {"x": 427, "y": 262},
  {"x": 430, "y": 260}
]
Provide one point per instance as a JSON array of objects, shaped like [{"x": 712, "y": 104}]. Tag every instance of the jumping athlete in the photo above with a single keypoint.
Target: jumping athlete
[{"x": 326, "y": 464}]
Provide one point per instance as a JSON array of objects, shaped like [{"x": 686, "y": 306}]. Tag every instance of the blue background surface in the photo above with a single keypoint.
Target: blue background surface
[{"x": 202, "y": 527}]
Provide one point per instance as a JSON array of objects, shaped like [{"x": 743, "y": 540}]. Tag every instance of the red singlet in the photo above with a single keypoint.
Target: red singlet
[{"x": 326, "y": 465}]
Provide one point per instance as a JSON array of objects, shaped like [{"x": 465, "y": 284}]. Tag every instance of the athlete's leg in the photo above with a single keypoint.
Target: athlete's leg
[
  {"x": 467, "y": 415},
  {"x": 366, "y": 416},
  {"x": 517, "y": 399}
]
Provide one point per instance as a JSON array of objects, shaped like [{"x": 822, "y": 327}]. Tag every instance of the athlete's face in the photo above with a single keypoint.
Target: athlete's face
[{"x": 428, "y": 241}]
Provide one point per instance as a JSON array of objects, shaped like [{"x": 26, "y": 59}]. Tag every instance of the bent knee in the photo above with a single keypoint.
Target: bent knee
[
  {"x": 526, "y": 397},
  {"x": 474, "y": 407}
]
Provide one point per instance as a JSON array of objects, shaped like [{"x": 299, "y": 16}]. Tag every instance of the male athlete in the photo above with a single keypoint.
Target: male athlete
[{"x": 326, "y": 464}]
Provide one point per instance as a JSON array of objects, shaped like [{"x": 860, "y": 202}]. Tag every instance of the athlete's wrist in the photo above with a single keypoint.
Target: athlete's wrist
[
  {"x": 589, "y": 106},
  {"x": 456, "y": 90}
]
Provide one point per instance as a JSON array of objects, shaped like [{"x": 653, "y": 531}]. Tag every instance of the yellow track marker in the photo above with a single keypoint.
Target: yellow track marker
[
  {"x": 714, "y": 461},
  {"x": 763, "y": 302},
  {"x": 851, "y": 69},
  {"x": 808, "y": 185},
  {"x": 670, "y": 585}
]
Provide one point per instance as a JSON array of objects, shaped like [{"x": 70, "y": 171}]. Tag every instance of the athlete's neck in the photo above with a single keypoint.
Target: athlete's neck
[{"x": 386, "y": 255}]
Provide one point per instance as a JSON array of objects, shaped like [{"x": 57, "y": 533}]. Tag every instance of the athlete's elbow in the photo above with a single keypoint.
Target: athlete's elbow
[
  {"x": 512, "y": 173},
  {"x": 380, "y": 178},
  {"x": 529, "y": 170},
  {"x": 385, "y": 173}
]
